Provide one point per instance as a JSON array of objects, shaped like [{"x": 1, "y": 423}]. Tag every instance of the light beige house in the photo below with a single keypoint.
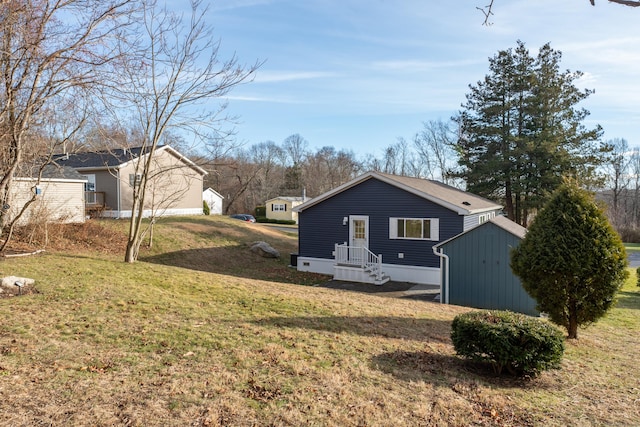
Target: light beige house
[
  {"x": 57, "y": 197},
  {"x": 174, "y": 185},
  {"x": 281, "y": 208}
]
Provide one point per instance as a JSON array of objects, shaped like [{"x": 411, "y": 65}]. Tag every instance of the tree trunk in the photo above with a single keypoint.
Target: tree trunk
[
  {"x": 509, "y": 201},
  {"x": 572, "y": 328}
]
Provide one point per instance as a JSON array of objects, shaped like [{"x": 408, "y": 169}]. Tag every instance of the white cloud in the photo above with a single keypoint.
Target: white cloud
[{"x": 287, "y": 76}]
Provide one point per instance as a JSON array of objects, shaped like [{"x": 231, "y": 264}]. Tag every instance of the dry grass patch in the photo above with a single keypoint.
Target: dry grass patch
[{"x": 176, "y": 340}]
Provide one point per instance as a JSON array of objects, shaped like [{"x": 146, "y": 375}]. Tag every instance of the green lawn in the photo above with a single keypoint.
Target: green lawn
[{"x": 202, "y": 332}]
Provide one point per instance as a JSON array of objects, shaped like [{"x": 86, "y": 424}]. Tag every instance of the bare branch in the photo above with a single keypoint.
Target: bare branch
[
  {"x": 629, "y": 3},
  {"x": 487, "y": 12}
]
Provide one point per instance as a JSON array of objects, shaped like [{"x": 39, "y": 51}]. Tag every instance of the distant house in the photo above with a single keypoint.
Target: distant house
[
  {"x": 214, "y": 201},
  {"x": 174, "y": 187},
  {"x": 283, "y": 208},
  {"x": 476, "y": 268},
  {"x": 379, "y": 226},
  {"x": 59, "y": 196}
]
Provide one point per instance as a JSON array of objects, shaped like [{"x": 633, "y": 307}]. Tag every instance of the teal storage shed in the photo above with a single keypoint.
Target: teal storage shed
[{"x": 475, "y": 269}]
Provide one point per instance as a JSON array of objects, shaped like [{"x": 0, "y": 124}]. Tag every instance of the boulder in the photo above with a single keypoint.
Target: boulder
[
  {"x": 264, "y": 250},
  {"x": 11, "y": 282}
]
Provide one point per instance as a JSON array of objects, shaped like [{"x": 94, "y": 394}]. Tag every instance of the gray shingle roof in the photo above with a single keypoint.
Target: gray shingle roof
[
  {"x": 437, "y": 192},
  {"x": 50, "y": 171},
  {"x": 99, "y": 159},
  {"x": 444, "y": 192}
]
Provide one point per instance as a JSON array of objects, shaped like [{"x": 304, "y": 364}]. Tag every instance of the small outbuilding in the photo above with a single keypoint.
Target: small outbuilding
[
  {"x": 214, "y": 201},
  {"x": 476, "y": 272}
]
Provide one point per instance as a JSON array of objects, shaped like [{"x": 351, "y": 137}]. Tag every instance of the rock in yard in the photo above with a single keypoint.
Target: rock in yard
[
  {"x": 12, "y": 282},
  {"x": 264, "y": 250}
]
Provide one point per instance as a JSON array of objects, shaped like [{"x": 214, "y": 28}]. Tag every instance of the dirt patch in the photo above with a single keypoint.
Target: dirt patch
[
  {"x": 18, "y": 291},
  {"x": 98, "y": 236}
]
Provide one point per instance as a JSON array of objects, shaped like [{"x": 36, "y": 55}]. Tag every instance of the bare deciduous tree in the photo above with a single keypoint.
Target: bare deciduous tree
[
  {"x": 434, "y": 145},
  {"x": 50, "y": 54},
  {"x": 172, "y": 77},
  {"x": 487, "y": 10}
]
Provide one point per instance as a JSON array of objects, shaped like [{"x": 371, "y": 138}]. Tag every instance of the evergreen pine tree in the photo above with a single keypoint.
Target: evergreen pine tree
[{"x": 572, "y": 262}]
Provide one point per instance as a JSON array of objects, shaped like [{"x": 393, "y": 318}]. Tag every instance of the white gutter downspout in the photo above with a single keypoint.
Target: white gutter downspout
[{"x": 444, "y": 265}]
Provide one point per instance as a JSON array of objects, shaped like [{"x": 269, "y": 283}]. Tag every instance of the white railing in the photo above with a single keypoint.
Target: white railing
[{"x": 358, "y": 256}]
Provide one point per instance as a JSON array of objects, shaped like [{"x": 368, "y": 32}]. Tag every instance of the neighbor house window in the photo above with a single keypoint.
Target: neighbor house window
[
  {"x": 414, "y": 228},
  {"x": 135, "y": 179},
  {"x": 279, "y": 207}
]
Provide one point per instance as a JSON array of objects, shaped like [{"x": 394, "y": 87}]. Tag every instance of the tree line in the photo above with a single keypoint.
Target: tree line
[{"x": 247, "y": 176}]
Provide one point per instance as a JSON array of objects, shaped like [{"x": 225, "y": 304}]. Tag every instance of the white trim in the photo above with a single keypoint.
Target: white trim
[
  {"x": 316, "y": 265},
  {"x": 412, "y": 274},
  {"x": 399, "y": 273},
  {"x": 148, "y": 212},
  {"x": 34, "y": 179}
]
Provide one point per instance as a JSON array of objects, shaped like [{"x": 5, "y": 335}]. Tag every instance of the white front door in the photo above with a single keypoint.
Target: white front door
[{"x": 358, "y": 235}]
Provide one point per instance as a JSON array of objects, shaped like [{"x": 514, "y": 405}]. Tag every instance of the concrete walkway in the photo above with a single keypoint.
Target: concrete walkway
[{"x": 634, "y": 258}]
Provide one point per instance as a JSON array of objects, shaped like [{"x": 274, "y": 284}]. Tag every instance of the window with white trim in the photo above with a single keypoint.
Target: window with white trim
[
  {"x": 282, "y": 207},
  {"x": 486, "y": 217},
  {"x": 414, "y": 228}
]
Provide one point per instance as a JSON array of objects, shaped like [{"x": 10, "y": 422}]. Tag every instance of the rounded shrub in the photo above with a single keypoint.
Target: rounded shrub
[
  {"x": 514, "y": 342},
  {"x": 205, "y": 208}
]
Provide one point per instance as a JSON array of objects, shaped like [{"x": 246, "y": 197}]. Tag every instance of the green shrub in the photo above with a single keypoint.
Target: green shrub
[
  {"x": 638, "y": 276},
  {"x": 520, "y": 344},
  {"x": 260, "y": 211},
  {"x": 265, "y": 220},
  {"x": 205, "y": 208}
]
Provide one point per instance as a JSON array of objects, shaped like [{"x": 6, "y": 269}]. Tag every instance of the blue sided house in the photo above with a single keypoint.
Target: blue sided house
[{"x": 380, "y": 227}]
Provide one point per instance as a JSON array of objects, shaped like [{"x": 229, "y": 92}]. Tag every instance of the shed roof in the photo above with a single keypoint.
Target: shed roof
[
  {"x": 499, "y": 221},
  {"x": 445, "y": 195},
  {"x": 209, "y": 189}
]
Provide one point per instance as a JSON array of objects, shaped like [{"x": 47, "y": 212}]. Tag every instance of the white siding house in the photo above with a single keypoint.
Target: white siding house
[{"x": 214, "y": 201}]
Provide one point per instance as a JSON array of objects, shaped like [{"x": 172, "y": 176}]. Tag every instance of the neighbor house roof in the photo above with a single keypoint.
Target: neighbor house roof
[
  {"x": 115, "y": 158},
  {"x": 51, "y": 171},
  {"x": 288, "y": 199},
  {"x": 450, "y": 197},
  {"x": 499, "y": 221},
  {"x": 213, "y": 191}
]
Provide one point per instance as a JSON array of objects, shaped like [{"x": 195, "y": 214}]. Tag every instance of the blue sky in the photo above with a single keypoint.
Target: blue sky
[{"x": 356, "y": 74}]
